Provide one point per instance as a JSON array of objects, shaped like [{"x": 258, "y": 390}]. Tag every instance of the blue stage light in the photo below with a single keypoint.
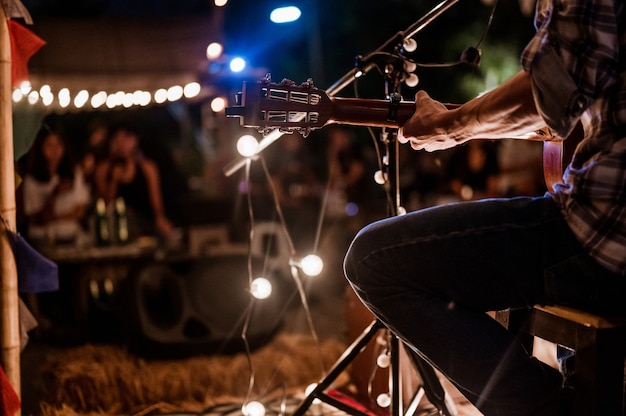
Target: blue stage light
[
  {"x": 285, "y": 14},
  {"x": 237, "y": 64}
]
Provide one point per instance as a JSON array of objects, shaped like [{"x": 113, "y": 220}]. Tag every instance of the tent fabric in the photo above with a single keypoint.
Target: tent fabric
[{"x": 115, "y": 54}]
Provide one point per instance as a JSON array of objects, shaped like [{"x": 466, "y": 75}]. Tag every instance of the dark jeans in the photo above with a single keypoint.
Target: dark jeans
[{"x": 431, "y": 275}]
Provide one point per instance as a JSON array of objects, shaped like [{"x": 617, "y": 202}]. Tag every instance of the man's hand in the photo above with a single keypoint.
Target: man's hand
[
  {"x": 507, "y": 111},
  {"x": 426, "y": 129}
]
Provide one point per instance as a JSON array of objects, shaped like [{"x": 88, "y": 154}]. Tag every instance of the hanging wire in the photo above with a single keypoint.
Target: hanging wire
[
  {"x": 244, "y": 330},
  {"x": 294, "y": 270},
  {"x": 379, "y": 158},
  {"x": 477, "y": 47},
  {"x": 489, "y": 22}
]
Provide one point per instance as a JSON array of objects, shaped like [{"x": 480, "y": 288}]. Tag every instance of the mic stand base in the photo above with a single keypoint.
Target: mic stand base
[{"x": 431, "y": 387}]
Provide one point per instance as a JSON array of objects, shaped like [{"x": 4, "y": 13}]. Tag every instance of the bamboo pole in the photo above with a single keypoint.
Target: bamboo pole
[{"x": 9, "y": 301}]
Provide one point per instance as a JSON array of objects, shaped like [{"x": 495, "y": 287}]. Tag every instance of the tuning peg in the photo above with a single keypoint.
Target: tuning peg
[
  {"x": 409, "y": 66},
  {"x": 410, "y": 45},
  {"x": 412, "y": 80}
]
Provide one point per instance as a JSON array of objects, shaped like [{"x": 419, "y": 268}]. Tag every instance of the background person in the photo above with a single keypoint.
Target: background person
[
  {"x": 125, "y": 172},
  {"x": 54, "y": 194}
]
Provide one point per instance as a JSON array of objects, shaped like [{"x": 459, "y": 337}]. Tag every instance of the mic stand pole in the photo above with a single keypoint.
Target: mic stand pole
[
  {"x": 431, "y": 387},
  {"x": 354, "y": 73}
]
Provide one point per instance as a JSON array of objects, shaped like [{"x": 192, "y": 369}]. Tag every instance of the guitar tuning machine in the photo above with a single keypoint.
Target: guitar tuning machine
[
  {"x": 308, "y": 83},
  {"x": 286, "y": 130}
]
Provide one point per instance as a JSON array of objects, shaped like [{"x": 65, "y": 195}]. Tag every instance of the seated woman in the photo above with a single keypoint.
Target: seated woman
[
  {"x": 125, "y": 172},
  {"x": 54, "y": 194}
]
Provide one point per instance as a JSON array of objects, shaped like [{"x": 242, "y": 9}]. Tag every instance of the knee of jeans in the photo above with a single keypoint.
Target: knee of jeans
[
  {"x": 349, "y": 263},
  {"x": 355, "y": 254}
]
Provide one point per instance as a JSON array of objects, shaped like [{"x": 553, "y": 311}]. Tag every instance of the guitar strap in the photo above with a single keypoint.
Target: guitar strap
[{"x": 552, "y": 162}]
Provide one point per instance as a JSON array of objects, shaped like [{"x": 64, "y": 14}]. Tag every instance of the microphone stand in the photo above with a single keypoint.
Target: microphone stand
[
  {"x": 431, "y": 387},
  {"x": 356, "y": 72},
  {"x": 391, "y": 54}
]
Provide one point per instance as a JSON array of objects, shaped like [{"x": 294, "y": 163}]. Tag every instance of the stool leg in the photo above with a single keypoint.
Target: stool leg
[
  {"x": 517, "y": 321},
  {"x": 599, "y": 373}
]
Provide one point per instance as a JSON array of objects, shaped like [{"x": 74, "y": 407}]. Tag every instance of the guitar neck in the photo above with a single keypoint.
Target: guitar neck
[{"x": 369, "y": 112}]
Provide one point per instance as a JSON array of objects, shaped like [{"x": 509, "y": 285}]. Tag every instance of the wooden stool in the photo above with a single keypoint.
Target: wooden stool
[{"x": 600, "y": 346}]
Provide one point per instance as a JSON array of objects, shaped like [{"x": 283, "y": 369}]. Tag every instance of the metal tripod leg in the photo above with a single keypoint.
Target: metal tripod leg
[
  {"x": 431, "y": 386},
  {"x": 346, "y": 358}
]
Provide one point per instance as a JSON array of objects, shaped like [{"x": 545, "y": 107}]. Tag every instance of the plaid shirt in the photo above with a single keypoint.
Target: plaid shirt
[{"x": 577, "y": 61}]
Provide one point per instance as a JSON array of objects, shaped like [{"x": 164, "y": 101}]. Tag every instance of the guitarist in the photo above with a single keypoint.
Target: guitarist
[{"x": 431, "y": 275}]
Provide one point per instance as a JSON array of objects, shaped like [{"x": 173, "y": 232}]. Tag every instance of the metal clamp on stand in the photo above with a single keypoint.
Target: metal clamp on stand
[{"x": 395, "y": 100}]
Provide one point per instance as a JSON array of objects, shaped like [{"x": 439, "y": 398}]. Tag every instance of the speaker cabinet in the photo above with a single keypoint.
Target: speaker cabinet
[{"x": 201, "y": 306}]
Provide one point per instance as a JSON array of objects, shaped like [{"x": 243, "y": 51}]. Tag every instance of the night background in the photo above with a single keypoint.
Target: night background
[
  {"x": 115, "y": 45},
  {"x": 321, "y": 45}
]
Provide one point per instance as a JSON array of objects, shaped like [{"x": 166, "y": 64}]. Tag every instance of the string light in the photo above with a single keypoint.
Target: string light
[
  {"x": 174, "y": 93},
  {"x": 214, "y": 50},
  {"x": 65, "y": 98},
  {"x": 25, "y": 87},
  {"x": 81, "y": 98},
  {"x": 261, "y": 288},
  {"x": 383, "y": 400},
  {"x": 379, "y": 177},
  {"x": 218, "y": 104},
  {"x": 191, "y": 90},
  {"x": 17, "y": 95},
  {"x": 309, "y": 390},
  {"x": 160, "y": 96},
  {"x": 33, "y": 97},
  {"x": 311, "y": 265},
  {"x": 383, "y": 360},
  {"x": 98, "y": 99},
  {"x": 253, "y": 408},
  {"x": 247, "y": 145}
]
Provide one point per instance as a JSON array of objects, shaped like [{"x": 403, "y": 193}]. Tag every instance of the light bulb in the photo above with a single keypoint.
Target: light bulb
[
  {"x": 98, "y": 99},
  {"x": 253, "y": 408},
  {"x": 160, "y": 95},
  {"x": 261, "y": 288},
  {"x": 379, "y": 177},
  {"x": 309, "y": 390},
  {"x": 33, "y": 97},
  {"x": 17, "y": 95},
  {"x": 383, "y": 400},
  {"x": 312, "y": 265},
  {"x": 247, "y": 145},
  {"x": 218, "y": 104},
  {"x": 81, "y": 98},
  {"x": 192, "y": 89},
  {"x": 174, "y": 93},
  {"x": 383, "y": 360},
  {"x": 214, "y": 50},
  {"x": 25, "y": 87}
]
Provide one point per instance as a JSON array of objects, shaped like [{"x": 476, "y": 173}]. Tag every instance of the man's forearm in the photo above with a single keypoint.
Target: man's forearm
[{"x": 507, "y": 111}]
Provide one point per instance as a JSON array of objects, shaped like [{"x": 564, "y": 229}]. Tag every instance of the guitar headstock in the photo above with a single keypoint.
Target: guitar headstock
[{"x": 285, "y": 106}]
